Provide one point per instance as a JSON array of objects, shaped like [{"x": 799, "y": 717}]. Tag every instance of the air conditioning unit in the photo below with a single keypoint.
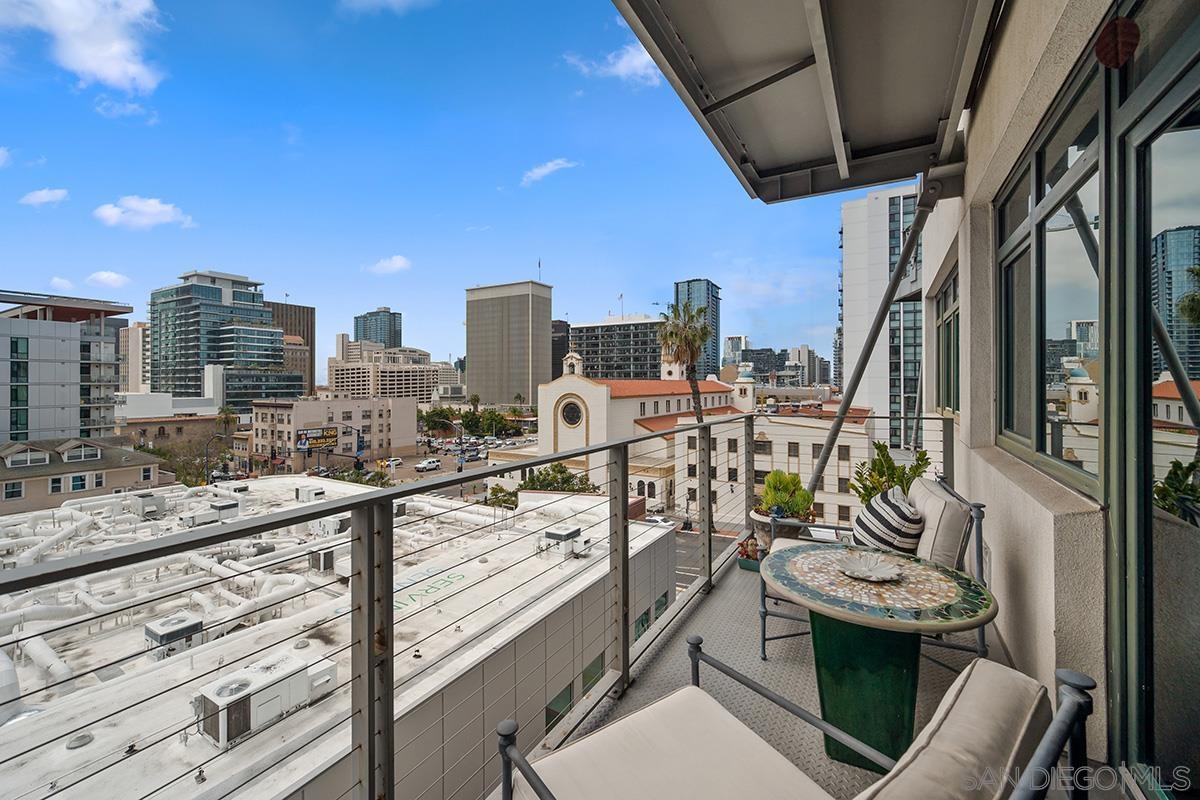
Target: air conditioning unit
[
  {"x": 321, "y": 561},
  {"x": 309, "y": 494},
  {"x": 248, "y": 700},
  {"x": 324, "y": 526},
  {"x": 562, "y": 533},
  {"x": 226, "y": 509},
  {"x": 240, "y": 488},
  {"x": 148, "y": 504},
  {"x": 173, "y": 634},
  {"x": 197, "y": 518}
]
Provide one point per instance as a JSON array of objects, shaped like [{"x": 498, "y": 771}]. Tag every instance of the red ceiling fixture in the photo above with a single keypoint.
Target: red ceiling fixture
[{"x": 1117, "y": 41}]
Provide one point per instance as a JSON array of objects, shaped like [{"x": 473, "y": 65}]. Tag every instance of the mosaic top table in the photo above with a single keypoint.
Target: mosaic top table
[{"x": 867, "y": 636}]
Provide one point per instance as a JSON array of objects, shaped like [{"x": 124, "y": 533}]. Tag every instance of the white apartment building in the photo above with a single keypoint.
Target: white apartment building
[
  {"x": 368, "y": 369},
  {"x": 872, "y": 232},
  {"x": 133, "y": 357}
]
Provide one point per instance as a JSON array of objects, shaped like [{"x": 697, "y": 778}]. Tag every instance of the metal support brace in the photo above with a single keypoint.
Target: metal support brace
[
  {"x": 948, "y": 449},
  {"x": 704, "y": 499},
  {"x": 977, "y": 530},
  {"x": 925, "y": 203},
  {"x": 748, "y": 472},
  {"x": 618, "y": 558},
  {"x": 373, "y": 723}
]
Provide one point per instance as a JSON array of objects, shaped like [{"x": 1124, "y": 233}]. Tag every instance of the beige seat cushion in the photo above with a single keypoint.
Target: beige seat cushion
[
  {"x": 682, "y": 747},
  {"x": 947, "y": 521},
  {"x": 988, "y": 723}
]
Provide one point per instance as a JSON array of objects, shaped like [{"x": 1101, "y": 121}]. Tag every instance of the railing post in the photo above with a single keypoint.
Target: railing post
[
  {"x": 948, "y": 449},
  {"x": 748, "y": 471},
  {"x": 704, "y": 501},
  {"x": 372, "y": 725},
  {"x": 618, "y": 556}
]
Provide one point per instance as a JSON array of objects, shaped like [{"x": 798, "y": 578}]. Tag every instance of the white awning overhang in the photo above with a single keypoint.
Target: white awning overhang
[{"x": 807, "y": 97}]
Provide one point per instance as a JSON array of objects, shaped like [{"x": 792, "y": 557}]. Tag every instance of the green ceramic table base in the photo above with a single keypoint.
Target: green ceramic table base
[{"x": 867, "y": 681}]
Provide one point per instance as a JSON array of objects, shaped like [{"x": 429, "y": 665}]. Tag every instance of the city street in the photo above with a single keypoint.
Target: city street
[{"x": 687, "y": 555}]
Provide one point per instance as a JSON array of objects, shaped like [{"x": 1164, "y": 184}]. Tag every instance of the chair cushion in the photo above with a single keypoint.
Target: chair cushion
[
  {"x": 889, "y": 523},
  {"x": 988, "y": 724},
  {"x": 682, "y": 747},
  {"x": 947, "y": 521}
]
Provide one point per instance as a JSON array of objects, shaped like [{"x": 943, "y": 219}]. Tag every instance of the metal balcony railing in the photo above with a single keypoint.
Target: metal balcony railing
[{"x": 457, "y": 615}]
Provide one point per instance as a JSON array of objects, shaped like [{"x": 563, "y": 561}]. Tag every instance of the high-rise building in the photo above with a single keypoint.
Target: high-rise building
[
  {"x": 619, "y": 347},
  {"x": 133, "y": 358},
  {"x": 703, "y": 293},
  {"x": 298, "y": 321},
  {"x": 1172, "y": 253},
  {"x": 732, "y": 352},
  {"x": 872, "y": 235},
  {"x": 560, "y": 345},
  {"x": 765, "y": 361},
  {"x": 382, "y": 326},
  {"x": 508, "y": 341},
  {"x": 58, "y": 366},
  {"x": 217, "y": 319},
  {"x": 298, "y": 358}
]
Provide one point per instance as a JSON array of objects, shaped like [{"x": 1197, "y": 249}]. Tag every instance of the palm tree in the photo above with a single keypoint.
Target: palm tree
[
  {"x": 519, "y": 399},
  {"x": 683, "y": 334},
  {"x": 226, "y": 416},
  {"x": 474, "y": 401}
]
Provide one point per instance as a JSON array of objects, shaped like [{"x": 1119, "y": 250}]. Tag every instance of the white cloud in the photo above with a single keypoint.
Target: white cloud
[
  {"x": 535, "y": 174},
  {"x": 40, "y": 197},
  {"x": 631, "y": 64},
  {"x": 108, "y": 278},
  {"x": 61, "y": 284},
  {"x": 397, "y": 6},
  {"x": 5, "y": 157},
  {"x": 141, "y": 213},
  {"x": 100, "y": 41},
  {"x": 478, "y": 228},
  {"x": 387, "y": 266},
  {"x": 115, "y": 109}
]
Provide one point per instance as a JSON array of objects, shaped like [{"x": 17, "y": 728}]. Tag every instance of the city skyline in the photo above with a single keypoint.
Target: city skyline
[{"x": 311, "y": 178}]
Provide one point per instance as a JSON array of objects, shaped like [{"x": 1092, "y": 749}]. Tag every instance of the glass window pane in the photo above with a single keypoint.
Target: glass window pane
[
  {"x": 1071, "y": 374},
  {"x": 1161, "y": 22},
  {"x": 1173, "y": 256},
  {"x": 1077, "y": 130},
  {"x": 1017, "y": 339},
  {"x": 1015, "y": 208}
]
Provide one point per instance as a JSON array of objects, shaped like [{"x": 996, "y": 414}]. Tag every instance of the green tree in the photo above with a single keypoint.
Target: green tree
[
  {"x": 501, "y": 497},
  {"x": 557, "y": 478},
  {"x": 226, "y": 417},
  {"x": 474, "y": 401},
  {"x": 683, "y": 335},
  {"x": 438, "y": 419},
  {"x": 519, "y": 399}
]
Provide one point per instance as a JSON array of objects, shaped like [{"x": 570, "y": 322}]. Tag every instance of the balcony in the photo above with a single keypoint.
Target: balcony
[{"x": 494, "y": 613}]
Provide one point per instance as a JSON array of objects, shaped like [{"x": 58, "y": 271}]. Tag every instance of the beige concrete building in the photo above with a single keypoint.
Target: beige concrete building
[
  {"x": 46, "y": 473},
  {"x": 133, "y": 358},
  {"x": 299, "y": 321},
  {"x": 387, "y": 425},
  {"x": 508, "y": 341},
  {"x": 298, "y": 358},
  {"x": 168, "y": 431},
  {"x": 368, "y": 369}
]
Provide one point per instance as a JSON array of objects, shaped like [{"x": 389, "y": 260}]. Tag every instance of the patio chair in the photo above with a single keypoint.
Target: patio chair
[
  {"x": 993, "y": 728},
  {"x": 950, "y": 521}
]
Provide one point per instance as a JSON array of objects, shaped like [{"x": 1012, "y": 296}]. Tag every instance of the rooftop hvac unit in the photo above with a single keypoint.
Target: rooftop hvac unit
[
  {"x": 562, "y": 533},
  {"x": 309, "y": 494},
  {"x": 321, "y": 561},
  {"x": 174, "y": 633},
  {"x": 225, "y": 509},
  {"x": 196, "y": 518},
  {"x": 148, "y": 504},
  {"x": 248, "y": 700},
  {"x": 324, "y": 526},
  {"x": 240, "y": 488}
]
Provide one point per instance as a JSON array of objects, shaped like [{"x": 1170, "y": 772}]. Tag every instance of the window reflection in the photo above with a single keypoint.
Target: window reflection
[
  {"x": 1017, "y": 343},
  {"x": 1071, "y": 329}
]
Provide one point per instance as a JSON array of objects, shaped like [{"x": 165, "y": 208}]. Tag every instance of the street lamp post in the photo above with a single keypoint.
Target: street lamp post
[{"x": 212, "y": 439}]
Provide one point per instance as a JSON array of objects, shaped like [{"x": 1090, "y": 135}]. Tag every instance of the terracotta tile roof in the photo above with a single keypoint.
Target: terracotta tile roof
[
  {"x": 650, "y": 388},
  {"x": 666, "y": 422},
  {"x": 856, "y": 415},
  {"x": 1167, "y": 390}
]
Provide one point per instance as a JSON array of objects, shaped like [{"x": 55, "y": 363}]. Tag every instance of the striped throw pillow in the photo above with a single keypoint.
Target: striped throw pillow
[{"x": 889, "y": 523}]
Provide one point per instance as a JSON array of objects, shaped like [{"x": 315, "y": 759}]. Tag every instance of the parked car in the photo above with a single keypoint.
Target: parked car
[
  {"x": 659, "y": 520},
  {"x": 319, "y": 472},
  {"x": 474, "y": 457},
  {"x": 428, "y": 465},
  {"x": 395, "y": 462}
]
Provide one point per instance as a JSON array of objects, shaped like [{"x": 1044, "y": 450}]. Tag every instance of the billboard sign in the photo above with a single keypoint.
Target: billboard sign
[{"x": 317, "y": 438}]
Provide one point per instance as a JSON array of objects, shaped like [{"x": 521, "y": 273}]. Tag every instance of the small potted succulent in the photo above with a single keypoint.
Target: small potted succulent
[{"x": 784, "y": 498}]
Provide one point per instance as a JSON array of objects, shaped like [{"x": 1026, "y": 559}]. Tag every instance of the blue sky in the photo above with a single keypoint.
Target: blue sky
[{"x": 357, "y": 153}]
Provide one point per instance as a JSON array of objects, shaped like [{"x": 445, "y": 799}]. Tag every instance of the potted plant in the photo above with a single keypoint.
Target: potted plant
[
  {"x": 882, "y": 472},
  {"x": 747, "y": 555},
  {"x": 783, "y": 497}
]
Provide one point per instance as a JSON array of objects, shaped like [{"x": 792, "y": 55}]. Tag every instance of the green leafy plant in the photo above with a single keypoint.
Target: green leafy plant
[
  {"x": 501, "y": 497},
  {"x": 1178, "y": 484},
  {"x": 882, "y": 472},
  {"x": 784, "y": 495}
]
